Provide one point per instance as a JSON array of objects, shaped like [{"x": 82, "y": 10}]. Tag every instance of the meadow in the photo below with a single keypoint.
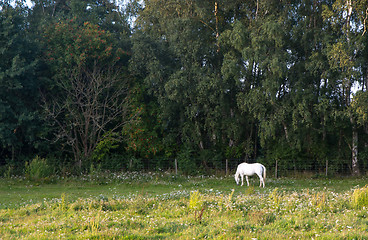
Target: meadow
[{"x": 166, "y": 206}]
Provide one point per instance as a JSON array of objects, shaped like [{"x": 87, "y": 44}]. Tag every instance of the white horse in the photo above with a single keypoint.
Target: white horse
[{"x": 249, "y": 169}]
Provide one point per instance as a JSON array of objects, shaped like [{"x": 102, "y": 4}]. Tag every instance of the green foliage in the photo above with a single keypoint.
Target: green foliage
[
  {"x": 104, "y": 147},
  {"x": 63, "y": 205},
  {"x": 142, "y": 134},
  {"x": 234, "y": 151},
  {"x": 359, "y": 198},
  {"x": 186, "y": 162},
  {"x": 134, "y": 164},
  {"x": 9, "y": 171},
  {"x": 183, "y": 73},
  {"x": 38, "y": 169},
  {"x": 197, "y": 205},
  {"x": 19, "y": 85},
  {"x": 85, "y": 104},
  {"x": 71, "y": 45},
  {"x": 208, "y": 81},
  {"x": 196, "y": 202},
  {"x": 113, "y": 160},
  {"x": 276, "y": 197},
  {"x": 320, "y": 201},
  {"x": 226, "y": 203},
  {"x": 360, "y": 108}
]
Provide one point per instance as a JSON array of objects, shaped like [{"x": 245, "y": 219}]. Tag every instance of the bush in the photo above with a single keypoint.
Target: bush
[
  {"x": 38, "y": 169},
  {"x": 186, "y": 162},
  {"x": 114, "y": 162},
  {"x": 359, "y": 198},
  {"x": 7, "y": 170},
  {"x": 196, "y": 201}
]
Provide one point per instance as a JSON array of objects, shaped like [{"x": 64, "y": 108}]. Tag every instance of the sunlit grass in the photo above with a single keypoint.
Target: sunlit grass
[{"x": 162, "y": 205}]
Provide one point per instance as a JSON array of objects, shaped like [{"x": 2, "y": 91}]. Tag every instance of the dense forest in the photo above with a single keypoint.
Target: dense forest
[{"x": 130, "y": 85}]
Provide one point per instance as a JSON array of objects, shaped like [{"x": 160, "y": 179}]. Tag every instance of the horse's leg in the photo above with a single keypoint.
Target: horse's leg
[
  {"x": 261, "y": 181},
  {"x": 242, "y": 178},
  {"x": 246, "y": 177}
]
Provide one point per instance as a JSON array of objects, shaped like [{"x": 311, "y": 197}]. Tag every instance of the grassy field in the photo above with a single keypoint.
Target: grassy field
[{"x": 164, "y": 206}]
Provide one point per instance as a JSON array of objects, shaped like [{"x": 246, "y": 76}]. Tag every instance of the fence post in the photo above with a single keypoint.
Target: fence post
[
  {"x": 176, "y": 167},
  {"x": 326, "y": 167},
  {"x": 276, "y": 169},
  {"x": 227, "y": 167}
]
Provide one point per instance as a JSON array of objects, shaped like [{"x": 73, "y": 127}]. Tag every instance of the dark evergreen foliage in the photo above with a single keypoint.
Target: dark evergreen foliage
[{"x": 278, "y": 82}]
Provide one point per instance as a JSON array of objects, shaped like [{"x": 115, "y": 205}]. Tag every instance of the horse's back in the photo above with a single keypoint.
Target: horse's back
[{"x": 250, "y": 168}]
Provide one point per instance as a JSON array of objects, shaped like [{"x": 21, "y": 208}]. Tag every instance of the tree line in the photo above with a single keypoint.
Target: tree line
[{"x": 131, "y": 84}]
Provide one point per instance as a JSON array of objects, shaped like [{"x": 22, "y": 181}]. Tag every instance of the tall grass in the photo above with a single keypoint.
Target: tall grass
[
  {"x": 38, "y": 169},
  {"x": 200, "y": 208},
  {"x": 359, "y": 198}
]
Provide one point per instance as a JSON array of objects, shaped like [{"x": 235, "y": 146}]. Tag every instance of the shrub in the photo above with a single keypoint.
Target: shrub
[
  {"x": 38, "y": 169},
  {"x": 196, "y": 203},
  {"x": 359, "y": 198},
  {"x": 187, "y": 164},
  {"x": 195, "y": 200},
  {"x": 8, "y": 171}
]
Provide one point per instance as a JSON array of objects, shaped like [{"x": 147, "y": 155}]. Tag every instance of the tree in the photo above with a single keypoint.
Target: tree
[
  {"x": 103, "y": 13},
  {"x": 143, "y": 134},
  {"x": 344, "y": 53},
  {"x": 88, "y": 98},
  {"x": 178, "y": 53},
  {"x": 277, "y": 52},
  {"x": 257, "y": 59},
  {"x": 21, "y": 124}
]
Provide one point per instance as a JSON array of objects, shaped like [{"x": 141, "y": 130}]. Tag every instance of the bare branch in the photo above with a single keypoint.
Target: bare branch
[{"x": 92, "y": 102}]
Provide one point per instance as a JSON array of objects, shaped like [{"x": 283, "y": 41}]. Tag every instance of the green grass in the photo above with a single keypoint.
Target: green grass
[{"x": 159, "y": 206}]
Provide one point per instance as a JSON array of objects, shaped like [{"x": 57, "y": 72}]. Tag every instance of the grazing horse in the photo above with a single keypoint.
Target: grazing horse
[{"x": 249, "y": 169}]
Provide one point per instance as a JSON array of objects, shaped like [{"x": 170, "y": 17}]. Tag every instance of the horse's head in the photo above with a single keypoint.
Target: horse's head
[{"x": 237, "y": 178}]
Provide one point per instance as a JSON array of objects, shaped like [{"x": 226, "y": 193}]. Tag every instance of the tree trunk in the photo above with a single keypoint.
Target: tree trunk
[
  {"x": 286, "y": 131},
  {"x": 354, "y": 152},
  {"x": 354, "y": 144},
  {"x": 217, "y": 29}
]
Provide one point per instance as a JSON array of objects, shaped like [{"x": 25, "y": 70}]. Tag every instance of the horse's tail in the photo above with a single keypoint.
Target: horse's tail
[{"x": 264, "y": 172}]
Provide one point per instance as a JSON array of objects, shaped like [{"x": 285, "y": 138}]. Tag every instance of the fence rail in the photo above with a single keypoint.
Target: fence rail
[{"x": 228, "y": 167}]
